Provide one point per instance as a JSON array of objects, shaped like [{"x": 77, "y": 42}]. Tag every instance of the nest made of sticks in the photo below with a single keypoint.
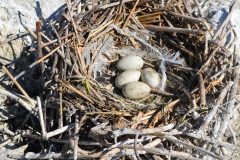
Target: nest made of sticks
[{"x": 73, "y": 110}]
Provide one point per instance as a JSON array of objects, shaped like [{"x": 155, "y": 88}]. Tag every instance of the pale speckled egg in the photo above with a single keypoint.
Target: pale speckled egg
[
  {"x": 130, "y": 63},
  {"x": 126, "y": 77},
  {"x": 151, "y": 77},
  {"x": 135, "y": 90}
]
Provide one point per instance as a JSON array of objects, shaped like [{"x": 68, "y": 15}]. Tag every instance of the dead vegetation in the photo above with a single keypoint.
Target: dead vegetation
[{"x": 75, "y": 110}]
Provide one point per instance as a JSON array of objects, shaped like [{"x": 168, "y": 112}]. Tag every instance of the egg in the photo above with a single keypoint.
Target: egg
[
  {"x": 151, "y": 77},
  {"x": 130, "y": 63},
  {"x": 135, "y": 90},
  {"x": 126, "y": 77}
]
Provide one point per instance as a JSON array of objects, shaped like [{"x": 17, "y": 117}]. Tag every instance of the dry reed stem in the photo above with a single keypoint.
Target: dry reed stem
[
  {"x": 202, "y": 91},
  {"x": 39, "y": 45},
  {"x": 33, "y": 102},
  {"x": 130, "y": 14},
  {"x": 190, "y": 18},
  {"x": 213, "y": 112},
  {"x": 65, "y": 84},
  {"x": 173, "y": 29},
  {"x": 59, "y": 131},
  {"x": 26, "y": 105},
  {"x": 37, "y": 62},
  {"x": 41, "y": 117}
]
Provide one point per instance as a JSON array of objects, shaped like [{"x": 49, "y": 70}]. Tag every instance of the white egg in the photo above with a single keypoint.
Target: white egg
[
  {"x": 151, "y": 77},
  {"x": 130, "y": 63},
  {"x": 135, "y": 90},
  {"x": 126, "y": 77}
]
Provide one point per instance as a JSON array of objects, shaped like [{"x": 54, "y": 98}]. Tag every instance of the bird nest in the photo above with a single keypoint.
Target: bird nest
[{"x": 72, "y": 108}]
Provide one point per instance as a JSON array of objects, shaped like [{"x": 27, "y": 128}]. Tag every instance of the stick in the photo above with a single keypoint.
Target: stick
[
  {"x": 199, "y": 7},
  {"x": 230, "y": 106},
  {"x": 37, "y": 62},
  {"x": 114, "y": 4},
  {"x": 41, "y": 117},
  {"x": 11, "y": 38},
  {"x": 232, "y": 133},
  {"x": 39, "y": 44},
  {"x": 51, "y": 155},
  {"x": 148, "y": 131},
  {"x": 234, "y": 40},
  {"x": 7, "y": 131},
  {"x": 135, "y": 147},
  {"x": 76, "y": 91},
  {"x": 55, "y": 62},
  {"x": 66, "y": 141},
  {"x": 60, "y": 109},
  {"x": 19, "y": 86},
  {"x": 173, "y": 29},
  {"x": 206, "y": 44},
  {"x": 59, "y": 131},
  {"x": 212, "y": 113},
  {"x": 180, "y": 47},
  {"x": 100, "y": 28},
  {"x": 9, "y": 140},
  {"x": 48, "y": 49},
  {"x": 187, "y": 6},
  {"x": 135, "y": 20},
  {"x": 190, "y": 97},
  {"x": 76, "y": 138},
  {"x": 202, "y": 91},
  {"x": 157, "y": 151},
  {"x": 133, "y": 9},
  {"x": 18, "y": 99},
  {"x": 57, "y": 40},
  {"x": 173, "y": 139},
  {"x": 209, "y": 60},
  {"x": 162, "y": 93},
  {"x": 190, "y": 18},
  {"x": 72, "y": 21}
]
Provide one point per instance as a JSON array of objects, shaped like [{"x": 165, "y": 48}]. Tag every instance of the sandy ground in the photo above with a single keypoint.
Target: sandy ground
[{"x": 17, "y": 14}]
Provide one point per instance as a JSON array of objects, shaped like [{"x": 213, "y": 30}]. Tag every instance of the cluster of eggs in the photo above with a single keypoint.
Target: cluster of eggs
[{"x": 128, "y": 79}]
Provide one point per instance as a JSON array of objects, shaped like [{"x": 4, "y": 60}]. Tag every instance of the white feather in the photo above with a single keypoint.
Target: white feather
[{"x": 100, "y": 62}]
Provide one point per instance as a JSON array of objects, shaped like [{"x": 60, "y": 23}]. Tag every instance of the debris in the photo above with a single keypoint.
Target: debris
[{"x": 76, "y": 111}]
